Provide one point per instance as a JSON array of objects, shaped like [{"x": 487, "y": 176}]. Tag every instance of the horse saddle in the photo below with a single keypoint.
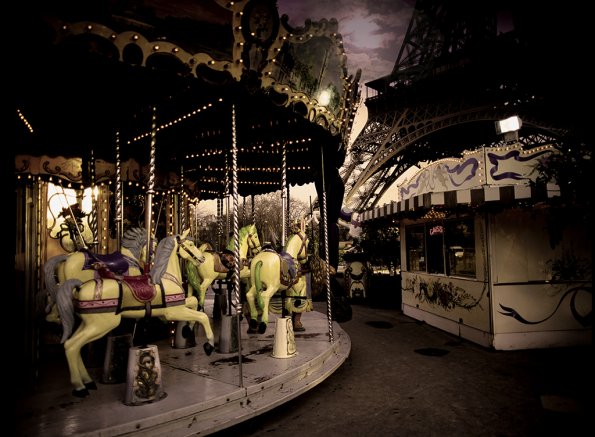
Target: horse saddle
[
  {"x": 115, "y": 261},
  {"x": 141, "y": 286},
  {"x": 289, "y": 273},
  {"x": 223, "y": 261}
]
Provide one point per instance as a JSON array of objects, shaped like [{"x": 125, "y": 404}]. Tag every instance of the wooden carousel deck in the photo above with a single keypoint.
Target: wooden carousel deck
[{"x": 203, "y": 394}]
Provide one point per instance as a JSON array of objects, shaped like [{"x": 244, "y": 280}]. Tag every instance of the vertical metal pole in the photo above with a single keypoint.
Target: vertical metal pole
[
  {"x": 253, "y": 212},
  {"x": 287, "y": 217},
  {"x": 236, "y": 237},
  {"x": 93, "y": 224},
  {"x": 219, "y": 222},
  {"x": 151, "y": 190},
  {"x": 326, "y": 254},
  {"x": 119, "y": 204},
  {"x": 182, "y": 204},
  {"x": 227, "y": 193},
  {"x": 283, "y": 198},
  {"x": 243, "y": 211}
]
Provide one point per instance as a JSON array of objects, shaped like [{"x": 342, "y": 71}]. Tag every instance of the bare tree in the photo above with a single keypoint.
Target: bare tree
[{"x": 267, "y": 216}]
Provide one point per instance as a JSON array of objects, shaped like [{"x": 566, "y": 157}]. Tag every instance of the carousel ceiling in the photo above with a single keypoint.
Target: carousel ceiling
[{"x": 101, "y": 83}]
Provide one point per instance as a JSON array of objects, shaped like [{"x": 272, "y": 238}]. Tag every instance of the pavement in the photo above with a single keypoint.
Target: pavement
[{"x": 406, "y": 378}]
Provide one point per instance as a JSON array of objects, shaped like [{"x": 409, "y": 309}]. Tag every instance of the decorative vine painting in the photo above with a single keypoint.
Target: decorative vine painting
[{"x": 436, "y": 293}]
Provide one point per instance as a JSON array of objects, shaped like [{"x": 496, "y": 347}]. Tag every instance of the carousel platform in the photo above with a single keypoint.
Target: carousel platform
[{"x": 202, "y": 394}]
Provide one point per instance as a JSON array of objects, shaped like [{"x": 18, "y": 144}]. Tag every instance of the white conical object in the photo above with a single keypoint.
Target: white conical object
[{"x": 284, "y": 346}]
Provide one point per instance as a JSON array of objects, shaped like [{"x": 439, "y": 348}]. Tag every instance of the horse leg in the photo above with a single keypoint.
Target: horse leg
[
  {"x": 184, "y": 313},
  {"x": 92, "y": 327},
  {"x": 204, "y": 285},
  {"x": 250, "y": 298},
  {"x": 263, "y": 301}
]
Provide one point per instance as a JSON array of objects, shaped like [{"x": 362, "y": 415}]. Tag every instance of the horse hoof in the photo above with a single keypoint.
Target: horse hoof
[
  {"x": 252, "y": 331},
  {"x": 186, "y": 331},
  {"x": 209, "y": 348},
  {"x": 82, "y": 393},
  {"x": 253, "y": 324},
  {"x": 91, "y": 385},
  {"x": 262, "y": 328}
]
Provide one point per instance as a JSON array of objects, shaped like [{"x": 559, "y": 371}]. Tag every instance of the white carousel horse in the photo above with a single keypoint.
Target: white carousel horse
[
  {"x": 270, "y": 272},
  {"x": 201, "y": 277},
  {"x": 101, "y": 304},
  {"x": 129, "y": 261}
]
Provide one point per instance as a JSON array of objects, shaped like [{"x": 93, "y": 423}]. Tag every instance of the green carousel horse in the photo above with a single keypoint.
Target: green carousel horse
[
  {"x": 218, "y": 265},
  {"x": 102, "y": 303},
  {"x": 271, "y": 272},
  {"x": 130, "y": 260}
]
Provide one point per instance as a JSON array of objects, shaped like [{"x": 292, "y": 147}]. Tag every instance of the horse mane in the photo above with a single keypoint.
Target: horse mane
[
  {"x": 294, "y": 234},
  {"x": 162, "y": 253},
  {"x": 134, "y": 239},
  {"x": 242, "y": 234}
]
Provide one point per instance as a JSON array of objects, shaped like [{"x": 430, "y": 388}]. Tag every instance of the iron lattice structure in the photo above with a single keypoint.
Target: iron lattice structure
[{"x": 462, "y": 66}]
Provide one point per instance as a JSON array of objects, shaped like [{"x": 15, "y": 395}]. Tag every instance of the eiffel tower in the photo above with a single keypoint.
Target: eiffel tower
[{"x": 462, "y": 66}]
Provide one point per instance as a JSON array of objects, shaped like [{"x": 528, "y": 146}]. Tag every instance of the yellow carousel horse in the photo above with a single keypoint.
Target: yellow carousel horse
[
  {"x": 130, "y": 261},
  {"x": 102, "y": 303},
  {"x": 271, "y": 272},
  {"x": 218, "y": 265}
]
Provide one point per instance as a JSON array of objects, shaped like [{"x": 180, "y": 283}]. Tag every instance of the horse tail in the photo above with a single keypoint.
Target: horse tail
[
  {"x": 257, "y": 281},
  {"x": 66, "y": 307},
  {"x": 193, "y": 276},
  {"x": 51, "y": 284}
]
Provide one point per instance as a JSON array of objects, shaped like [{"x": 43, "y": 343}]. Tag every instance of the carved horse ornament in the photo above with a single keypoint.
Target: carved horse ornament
[
  {"x": 219, "y": 265},
  {"x": 102, "y": 303},
  {"x": 80, "y": 265},
  {"x": 271, "y": 272}
]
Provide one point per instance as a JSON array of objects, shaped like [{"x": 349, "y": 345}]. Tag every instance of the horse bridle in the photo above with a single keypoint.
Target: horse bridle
[
  {"x": 303, "y": 247},
  {"x": 190, "y": 254},
  {"x": 253, "y": 247}
]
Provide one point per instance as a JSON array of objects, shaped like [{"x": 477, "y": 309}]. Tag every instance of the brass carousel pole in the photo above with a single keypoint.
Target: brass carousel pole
[
  {"x": 181, "y": 203},
  {"x": 151, "y": 190},
  {"x": 284, "y": 341},
  {"x": 283, "y": 195},
  {"x": 236, "y": 238},
  {"x": 119, "y": 220},
  {"x": 136, "y": 353},
  {"x": 327, "y": 274}
]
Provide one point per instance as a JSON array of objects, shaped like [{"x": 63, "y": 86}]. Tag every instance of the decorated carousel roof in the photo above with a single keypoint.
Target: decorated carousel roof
[{"x": 101, "y": 81}]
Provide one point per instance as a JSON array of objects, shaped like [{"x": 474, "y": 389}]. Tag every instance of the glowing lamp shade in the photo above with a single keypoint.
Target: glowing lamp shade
[
  {"x": 324, "y": 98},
  {"x": 510, "y": 124}
]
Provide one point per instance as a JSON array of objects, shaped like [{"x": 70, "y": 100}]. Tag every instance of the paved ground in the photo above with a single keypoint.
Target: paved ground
[{"x": 406, "y": 378}]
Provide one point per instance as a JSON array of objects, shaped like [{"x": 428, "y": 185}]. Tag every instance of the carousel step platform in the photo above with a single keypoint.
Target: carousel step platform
[{"x": 203, "y": 393}]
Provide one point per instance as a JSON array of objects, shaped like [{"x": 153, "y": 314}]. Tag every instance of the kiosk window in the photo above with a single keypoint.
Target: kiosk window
[
  {"x": 446, "y": 247},
  {"x": 416, "y": 248}
]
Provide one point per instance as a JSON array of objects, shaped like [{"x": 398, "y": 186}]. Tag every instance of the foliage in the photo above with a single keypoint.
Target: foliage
[
  {"x": 381, "y": 241},
  {"x": 570, "y": 267},
  {"x": 570, "y": 167}
]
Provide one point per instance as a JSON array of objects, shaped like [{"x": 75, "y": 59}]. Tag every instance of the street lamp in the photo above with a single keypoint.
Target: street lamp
[{"x": 509, "y": 127}]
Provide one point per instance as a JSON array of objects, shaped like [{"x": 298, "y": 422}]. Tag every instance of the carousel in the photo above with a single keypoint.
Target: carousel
[{"x": 129, "y": 115}]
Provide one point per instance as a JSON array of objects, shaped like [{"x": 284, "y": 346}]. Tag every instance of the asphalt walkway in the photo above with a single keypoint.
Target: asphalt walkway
[{"x": 406, "y": 378}]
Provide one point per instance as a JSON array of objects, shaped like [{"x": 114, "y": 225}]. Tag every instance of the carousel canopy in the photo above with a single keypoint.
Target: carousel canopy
[{"x": 102, "y": 81}]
